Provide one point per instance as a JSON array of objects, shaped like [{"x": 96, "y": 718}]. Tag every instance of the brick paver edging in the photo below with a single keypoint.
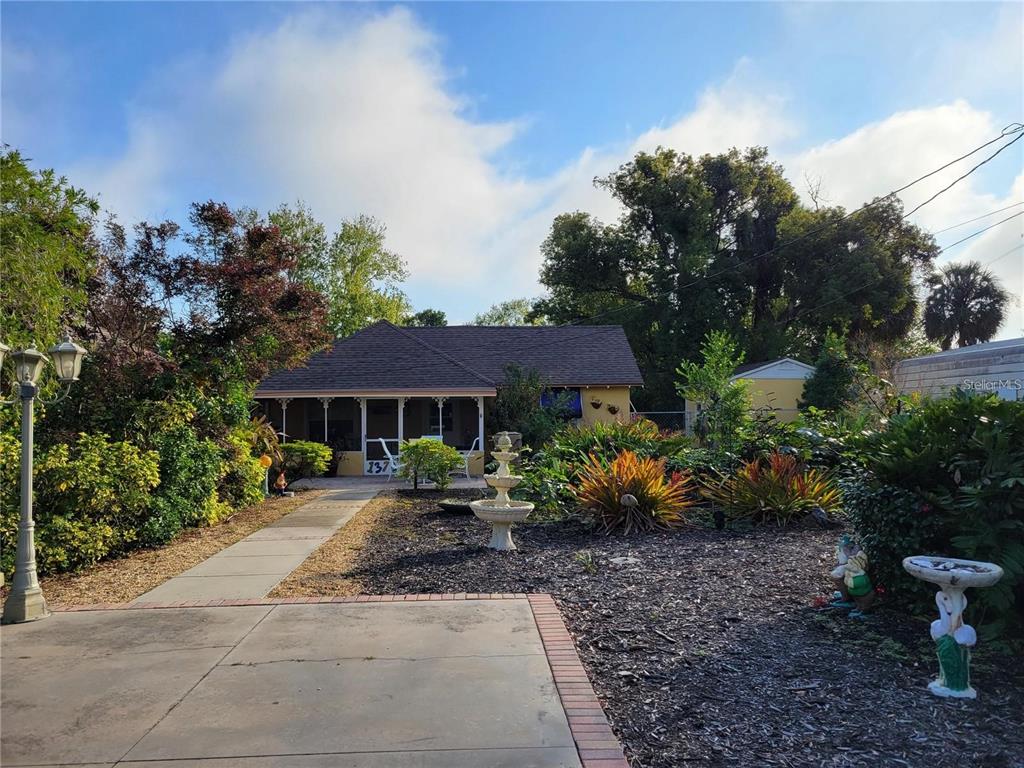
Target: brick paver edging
[{"x": 597, "y": 745}]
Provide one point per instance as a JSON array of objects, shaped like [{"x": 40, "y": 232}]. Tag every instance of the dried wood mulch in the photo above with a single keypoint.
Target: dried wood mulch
[
  {"x": 123, "y": 579},
  {"x": 324, "y": 573},
  {"x": 705, "y": 645}
]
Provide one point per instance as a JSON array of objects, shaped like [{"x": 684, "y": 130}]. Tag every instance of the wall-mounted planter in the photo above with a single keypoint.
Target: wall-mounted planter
[
  {"x": 595, "y": 403},
  {"x": 613, "y": 409}
]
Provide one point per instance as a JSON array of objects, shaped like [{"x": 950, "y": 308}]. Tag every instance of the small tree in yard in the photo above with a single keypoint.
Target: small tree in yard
[
  {"x": 429, "y": 459},
  {"x": 724, "y": 403},
  {"x": 831, "y": 385}
]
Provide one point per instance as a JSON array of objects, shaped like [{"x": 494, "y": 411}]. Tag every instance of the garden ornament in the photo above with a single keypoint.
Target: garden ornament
[
  {"x": 281, "y": 483},
  {"x": 502, "y": 511},
  {"x": 853, "y": 585},
  {"x": 953, "y": 638}
]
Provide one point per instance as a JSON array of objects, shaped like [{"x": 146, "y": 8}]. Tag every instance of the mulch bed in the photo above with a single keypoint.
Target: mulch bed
[
  {"x": 705, "y": 646},
  {"x": 123, "y": 579}
]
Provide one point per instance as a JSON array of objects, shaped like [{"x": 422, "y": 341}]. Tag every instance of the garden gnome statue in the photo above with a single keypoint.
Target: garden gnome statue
[
  {"x": 280, "y": 484},
  {"x": 853, "y": 585}
]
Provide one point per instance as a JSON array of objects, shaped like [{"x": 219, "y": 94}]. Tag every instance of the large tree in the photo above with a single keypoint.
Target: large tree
[
  {"x": 704, "y": 244},
  {"x": 354, "y": 270},
  {"x": 966, "y": 303},
  {"x": 47, "y": 253}
]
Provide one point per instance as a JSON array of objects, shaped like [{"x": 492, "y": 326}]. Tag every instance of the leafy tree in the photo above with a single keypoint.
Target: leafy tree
[
  {"x": 688, "y": 257},
  {"x": 518, "y": 407},
  {"x": 965, "y": 303},
  {"x": 47, "y": 252},
  {"x": 246, "y": 317},
  {"x": 427, "y": 318},
  {"x": 353, "y": 269},
  {"x": 511, "y": 312},
  {"x": 363, "y": 284},
  {"x": 830, "y": 387},
  {"x": 724, "y": 403}
]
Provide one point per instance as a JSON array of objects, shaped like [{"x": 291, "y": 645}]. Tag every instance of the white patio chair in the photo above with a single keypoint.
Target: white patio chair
[
  {"x": 394, "y": 462},
  {"x": 467, "y": 455}
]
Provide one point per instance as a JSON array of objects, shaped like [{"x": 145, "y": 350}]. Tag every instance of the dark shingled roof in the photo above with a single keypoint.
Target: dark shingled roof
[{"x": 386, "y": 357}]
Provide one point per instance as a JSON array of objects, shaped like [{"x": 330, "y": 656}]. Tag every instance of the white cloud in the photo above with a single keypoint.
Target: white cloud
[{"x": 361, "y": 117}]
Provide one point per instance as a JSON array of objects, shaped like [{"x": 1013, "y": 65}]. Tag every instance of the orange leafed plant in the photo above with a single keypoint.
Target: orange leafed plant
[
  {"x": 778, "y": 490},
  {"x": 604, "y": 490}
]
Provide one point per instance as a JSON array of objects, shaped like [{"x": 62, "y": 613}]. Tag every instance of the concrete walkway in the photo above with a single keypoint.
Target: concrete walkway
[
  {"x": 463, "y": 684},
  {"x": 257, "y": 563}
]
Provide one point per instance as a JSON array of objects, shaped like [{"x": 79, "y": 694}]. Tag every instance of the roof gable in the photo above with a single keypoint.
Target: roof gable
[{"x": 782, "y": 368}]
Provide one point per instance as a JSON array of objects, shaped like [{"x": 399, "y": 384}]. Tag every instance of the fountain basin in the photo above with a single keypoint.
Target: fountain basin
[
  {"x": 501, "y": 517},
  {"x": 952, "y": 571},
  {"x": 503, "y": 482}
]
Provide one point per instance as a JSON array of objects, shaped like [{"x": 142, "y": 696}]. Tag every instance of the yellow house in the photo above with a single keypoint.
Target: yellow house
[
  {"x": 775, "y": 385},
  {"x": 386, "y": 384}
]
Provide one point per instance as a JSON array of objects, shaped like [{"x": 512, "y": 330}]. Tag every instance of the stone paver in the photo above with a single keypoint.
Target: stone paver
[
  {"x": 252, "y": 567},
  {"x": 458, "y": 684}
]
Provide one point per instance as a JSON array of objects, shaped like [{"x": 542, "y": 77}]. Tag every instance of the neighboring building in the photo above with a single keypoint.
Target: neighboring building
[
  {"x": 775, "y": 385},
  {"x": 997, "y": 366},
  {"x": 400, "y": 383}
]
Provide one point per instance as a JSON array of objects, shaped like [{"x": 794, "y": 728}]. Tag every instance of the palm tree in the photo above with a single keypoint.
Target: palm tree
[{"x": 966, "y": 303}]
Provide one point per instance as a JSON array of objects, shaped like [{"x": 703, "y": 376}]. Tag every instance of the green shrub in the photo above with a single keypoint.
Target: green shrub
[
  {"x": 962, "y": 459},
  {"x": 304, "y": 459},
  {"x": 779, "y": 489},
  {"x": 242, "y": 483},
  {"x": 518, "y": 408},
  {"x": 92, "y": 500},
  {"x": 656, "y": 503},
  {"x": 190, "y": 469},
  {"x": 892, "y": 523},
  {"x": 10, "y": 499},
  {"x": 430, "y": 459}
]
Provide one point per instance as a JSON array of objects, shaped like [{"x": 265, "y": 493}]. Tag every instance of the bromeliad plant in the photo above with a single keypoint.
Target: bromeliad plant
[
  {"x": 779, "y": 489},
  {"x": 631, "y": 494}
]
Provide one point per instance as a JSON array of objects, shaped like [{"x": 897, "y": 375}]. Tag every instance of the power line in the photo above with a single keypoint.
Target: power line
[
  {"x": 961, "y": 178},
  {"x": 978, "y": 218}
]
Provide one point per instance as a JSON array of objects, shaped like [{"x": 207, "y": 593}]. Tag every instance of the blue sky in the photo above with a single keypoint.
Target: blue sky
[{"x": 466, "y": 127}]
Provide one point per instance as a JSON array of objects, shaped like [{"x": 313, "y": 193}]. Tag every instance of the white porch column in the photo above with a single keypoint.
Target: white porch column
[
  {"x": 401, "y": 421},
  {"x": 284, "y": 417},
  {"x": 480, "y": 422},
  {"x": 362, "y": 428},
  {"x": 440, "y": 416},
  {"x": 326, "y": 401}
]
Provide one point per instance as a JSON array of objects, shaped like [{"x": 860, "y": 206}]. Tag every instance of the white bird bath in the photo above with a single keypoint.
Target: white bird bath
[
  {"x": 953, "y": 639},
  {"x": 502, "y": 511}
]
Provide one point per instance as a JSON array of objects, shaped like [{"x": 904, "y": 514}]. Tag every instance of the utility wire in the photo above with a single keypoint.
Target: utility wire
[
  {"x": 978, "y": 218},
  {"x": 961, "y": 178}
]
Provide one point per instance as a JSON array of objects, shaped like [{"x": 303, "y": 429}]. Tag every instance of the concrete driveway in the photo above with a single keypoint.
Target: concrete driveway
[{"x": 461, "y": 684}]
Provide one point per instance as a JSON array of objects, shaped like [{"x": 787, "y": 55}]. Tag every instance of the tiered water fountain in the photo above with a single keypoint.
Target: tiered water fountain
[
  {"x": 501, "y": 511},
  {"x": 953, "y": 639}
]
